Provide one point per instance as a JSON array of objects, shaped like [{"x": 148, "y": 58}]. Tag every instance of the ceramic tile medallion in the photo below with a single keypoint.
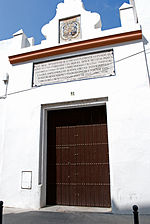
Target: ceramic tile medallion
[{"x": 69, "y": 29}]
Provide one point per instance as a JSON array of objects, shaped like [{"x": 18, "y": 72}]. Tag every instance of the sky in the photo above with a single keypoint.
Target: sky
[{"x": 32, "y": 15}]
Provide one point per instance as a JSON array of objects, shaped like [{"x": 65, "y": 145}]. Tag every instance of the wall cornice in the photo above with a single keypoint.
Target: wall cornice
[{"x": 77, "y": 46}]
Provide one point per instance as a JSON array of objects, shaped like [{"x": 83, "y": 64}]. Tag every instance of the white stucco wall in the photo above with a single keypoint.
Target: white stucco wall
[
  {"x": 128, "y": 125},
  {"x": 128, "y": 94},
  {"x": 127, "y": 15},
  {"x": 142, "y": 9}
]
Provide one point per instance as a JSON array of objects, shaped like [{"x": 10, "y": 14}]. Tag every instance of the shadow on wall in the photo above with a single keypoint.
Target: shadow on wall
[{"x": 128, "y": 209}]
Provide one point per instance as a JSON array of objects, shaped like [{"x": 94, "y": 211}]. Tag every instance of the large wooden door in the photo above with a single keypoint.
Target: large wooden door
[{"x": 78, "y": 161}]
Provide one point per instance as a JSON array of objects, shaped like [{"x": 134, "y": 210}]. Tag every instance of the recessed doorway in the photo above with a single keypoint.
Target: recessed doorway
[{"x": 78, "y": 157}]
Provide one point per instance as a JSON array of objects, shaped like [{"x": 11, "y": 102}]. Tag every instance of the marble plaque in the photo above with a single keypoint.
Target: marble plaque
[{"x": 82, "y": 67}]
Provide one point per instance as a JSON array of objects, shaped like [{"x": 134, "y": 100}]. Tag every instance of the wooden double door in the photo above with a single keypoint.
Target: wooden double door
[{"x": 77, "y": 158}]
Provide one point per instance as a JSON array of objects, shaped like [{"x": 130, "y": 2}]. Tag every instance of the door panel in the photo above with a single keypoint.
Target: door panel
[{"x": 78, "y": 160}]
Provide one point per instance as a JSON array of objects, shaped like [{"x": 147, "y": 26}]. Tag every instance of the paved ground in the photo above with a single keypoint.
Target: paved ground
[{"x": 63, "y": 215}]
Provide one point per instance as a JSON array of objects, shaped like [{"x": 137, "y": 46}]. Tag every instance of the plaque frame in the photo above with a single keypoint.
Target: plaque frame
[
  {"x": 26, "y": 180},
  {"x": 71, "y": 57}
]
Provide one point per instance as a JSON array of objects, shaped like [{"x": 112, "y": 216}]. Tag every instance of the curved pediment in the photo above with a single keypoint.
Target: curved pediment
[{"x": 71, "y": 23}]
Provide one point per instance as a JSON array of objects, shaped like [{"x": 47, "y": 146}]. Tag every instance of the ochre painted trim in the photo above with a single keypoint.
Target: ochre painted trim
[{"x": 77, "y": 46}]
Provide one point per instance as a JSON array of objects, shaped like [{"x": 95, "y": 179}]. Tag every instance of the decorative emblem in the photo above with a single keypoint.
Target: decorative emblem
[{"x": 70, "y": 29}]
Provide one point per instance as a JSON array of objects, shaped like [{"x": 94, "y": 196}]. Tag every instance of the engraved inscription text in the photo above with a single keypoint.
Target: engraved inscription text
[{"x": 74, "y": 68}]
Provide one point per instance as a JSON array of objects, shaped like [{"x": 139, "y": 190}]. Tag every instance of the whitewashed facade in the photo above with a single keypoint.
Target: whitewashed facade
[{"x": 126, "y": 94}]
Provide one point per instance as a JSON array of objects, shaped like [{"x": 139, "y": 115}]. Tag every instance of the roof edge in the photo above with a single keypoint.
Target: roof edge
[{"x": 76, "y": 46}]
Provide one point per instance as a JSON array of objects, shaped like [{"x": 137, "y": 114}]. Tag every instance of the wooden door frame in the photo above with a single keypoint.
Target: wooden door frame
[{"x": 42, "y": 171}]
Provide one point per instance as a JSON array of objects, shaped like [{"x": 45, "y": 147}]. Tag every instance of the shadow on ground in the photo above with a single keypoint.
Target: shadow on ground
[{"x": 40, "y": 217}]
